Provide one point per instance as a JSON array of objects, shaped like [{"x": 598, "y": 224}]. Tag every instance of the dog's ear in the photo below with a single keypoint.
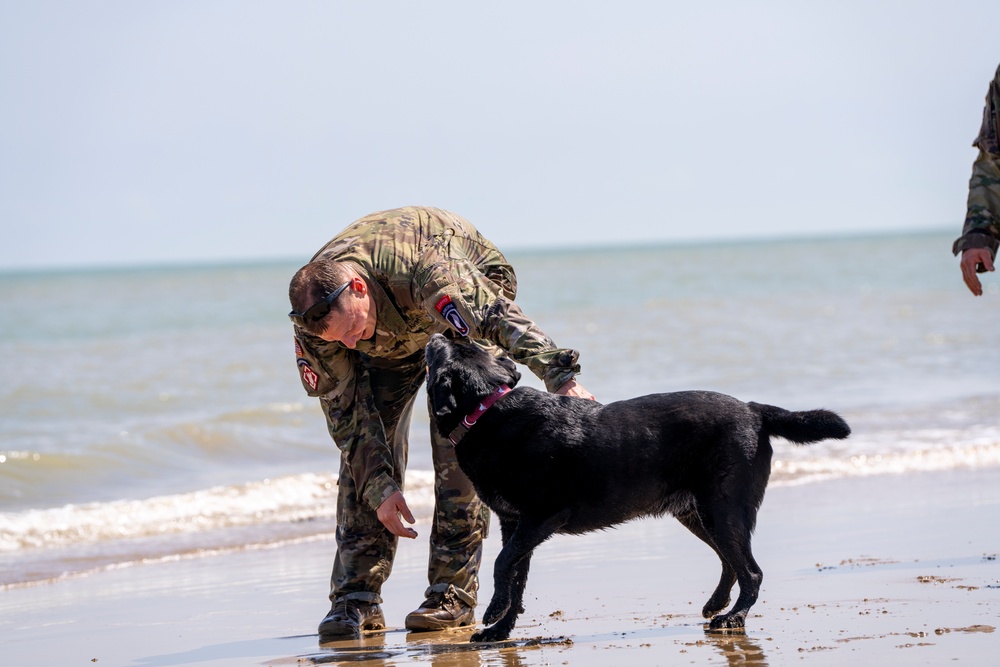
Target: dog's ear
[
  {"x": 442, "y": 397},
  {"x": 513, "y": 375}
]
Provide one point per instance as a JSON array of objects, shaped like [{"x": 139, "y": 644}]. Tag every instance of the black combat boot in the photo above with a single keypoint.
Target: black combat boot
[
  {"x": 441, "y": 610},
  {"x": 351, "y": 618}
]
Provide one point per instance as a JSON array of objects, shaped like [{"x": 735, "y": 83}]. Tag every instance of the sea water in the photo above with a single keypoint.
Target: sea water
[{"x": 156, "y": 413}]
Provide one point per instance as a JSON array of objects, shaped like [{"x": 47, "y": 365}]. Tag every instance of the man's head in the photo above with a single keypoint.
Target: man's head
[{"x": 331, "y": 300}]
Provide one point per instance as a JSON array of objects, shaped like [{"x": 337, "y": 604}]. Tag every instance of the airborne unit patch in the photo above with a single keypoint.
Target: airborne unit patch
[{"x": 446, "y": 307}]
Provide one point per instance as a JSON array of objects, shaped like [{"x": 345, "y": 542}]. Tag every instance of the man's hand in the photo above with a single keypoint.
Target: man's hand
[
  {"x": 389, "y": 514},
  {"x": 574, "y": 388},
  {"x": 970, "y": 258}
]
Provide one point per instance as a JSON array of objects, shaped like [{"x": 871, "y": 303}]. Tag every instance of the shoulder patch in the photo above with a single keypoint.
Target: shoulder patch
[
  {"x": 448, "y": 311},
  {"x": 309, "y": 376}
]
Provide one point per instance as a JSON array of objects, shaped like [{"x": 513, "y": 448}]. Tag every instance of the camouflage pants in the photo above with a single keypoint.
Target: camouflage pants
[{"x": 365, "y": 549}]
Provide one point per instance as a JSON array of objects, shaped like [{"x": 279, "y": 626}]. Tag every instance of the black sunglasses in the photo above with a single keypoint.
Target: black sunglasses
[{"x": 318, "y": 310}]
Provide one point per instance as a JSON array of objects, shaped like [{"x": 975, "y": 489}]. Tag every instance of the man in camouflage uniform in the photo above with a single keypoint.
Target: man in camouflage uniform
[
  {"x": 364, "y": 308},
  {"x": 981, "y": 232}
]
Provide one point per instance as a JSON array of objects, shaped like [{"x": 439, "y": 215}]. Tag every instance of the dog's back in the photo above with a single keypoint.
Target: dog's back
[{"x": 537, "y": 452}]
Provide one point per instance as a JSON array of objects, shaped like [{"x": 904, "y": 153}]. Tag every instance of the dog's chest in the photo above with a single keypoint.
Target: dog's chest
[
  {"x": 484, "y": 478},
  {"x": 499, "y": 505}
]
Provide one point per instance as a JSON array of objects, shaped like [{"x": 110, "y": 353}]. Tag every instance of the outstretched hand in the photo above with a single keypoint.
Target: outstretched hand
[
  {"x": 970, "y": 258},
  {"x": 574, "y": 388},
  {"x": 389, "y": 513}
]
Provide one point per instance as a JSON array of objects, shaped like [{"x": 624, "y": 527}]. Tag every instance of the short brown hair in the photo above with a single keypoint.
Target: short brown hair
[{"x": 313, "y": 282}]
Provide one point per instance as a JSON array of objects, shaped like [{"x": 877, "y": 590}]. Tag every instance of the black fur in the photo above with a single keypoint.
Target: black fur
[{"x": 550, "y": 464}]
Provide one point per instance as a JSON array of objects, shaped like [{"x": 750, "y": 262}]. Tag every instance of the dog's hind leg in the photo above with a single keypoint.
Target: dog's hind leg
[
  {"x": 731, "y": 531},
  {"x": 510, "y": 574},
  {"x": 720, "y": 598}
]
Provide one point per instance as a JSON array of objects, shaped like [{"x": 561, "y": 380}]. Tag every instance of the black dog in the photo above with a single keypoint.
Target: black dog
[{"x": 550, "y": 464}]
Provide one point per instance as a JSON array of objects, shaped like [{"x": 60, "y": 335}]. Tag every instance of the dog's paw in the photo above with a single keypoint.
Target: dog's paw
[
  {"x": 714, "y": 607},
  {"x": 497, "y": 609},
  {"x": 727, "y": 622},
  {"x": 494, "y": 633}
]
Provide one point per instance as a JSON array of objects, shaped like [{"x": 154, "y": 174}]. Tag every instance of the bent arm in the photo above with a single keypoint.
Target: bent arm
[{"x": 456, "y": 293}]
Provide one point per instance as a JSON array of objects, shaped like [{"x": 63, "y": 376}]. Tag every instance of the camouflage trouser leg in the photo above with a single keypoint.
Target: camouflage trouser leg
[
  {"x": 461, "y": 522},
  {"x": 365, "y": 549}
]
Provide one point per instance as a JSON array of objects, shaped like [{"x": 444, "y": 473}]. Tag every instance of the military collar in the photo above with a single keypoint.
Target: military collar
[
  {"x": 388, "y": 321},
  {"x": 470, "y": 420}
]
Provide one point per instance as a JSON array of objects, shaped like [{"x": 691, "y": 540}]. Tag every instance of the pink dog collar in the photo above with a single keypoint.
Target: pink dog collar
[{"x": 469, "y": 420}]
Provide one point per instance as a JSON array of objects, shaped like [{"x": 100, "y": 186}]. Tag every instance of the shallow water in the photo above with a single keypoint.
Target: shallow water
[{"x": 154, "y": 412}]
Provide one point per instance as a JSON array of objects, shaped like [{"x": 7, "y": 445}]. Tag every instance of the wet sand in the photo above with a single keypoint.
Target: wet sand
[{"x": 889, "y": 570}]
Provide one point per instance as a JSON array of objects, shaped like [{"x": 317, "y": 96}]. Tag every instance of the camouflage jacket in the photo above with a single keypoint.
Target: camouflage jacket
[
  {"x": 982, "y": 218},
  {"x": 429, "y": 271}
]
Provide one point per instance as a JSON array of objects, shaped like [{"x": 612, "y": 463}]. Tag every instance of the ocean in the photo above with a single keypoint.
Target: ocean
[{"x": 156, "y": 413}]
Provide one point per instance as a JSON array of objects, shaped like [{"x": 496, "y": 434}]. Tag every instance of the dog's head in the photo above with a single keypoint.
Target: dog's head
[{"x": 459, "y": 376}]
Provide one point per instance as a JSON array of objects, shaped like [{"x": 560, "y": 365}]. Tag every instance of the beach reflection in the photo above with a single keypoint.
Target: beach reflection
[
  {"x": 369, "y": 649},
  {"x": 453, "y": 649},
  {"x": 440, "y": 649},
  {"x": 738, "y": 649}
]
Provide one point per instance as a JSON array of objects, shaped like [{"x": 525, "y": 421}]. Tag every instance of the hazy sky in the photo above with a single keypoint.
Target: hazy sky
[{"x": 135, "y": 132}]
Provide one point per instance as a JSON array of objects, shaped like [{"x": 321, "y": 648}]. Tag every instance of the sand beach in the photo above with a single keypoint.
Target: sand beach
[{"x": 888, "y": 570}]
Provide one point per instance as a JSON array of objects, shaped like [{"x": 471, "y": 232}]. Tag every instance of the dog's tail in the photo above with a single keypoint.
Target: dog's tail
[{"x": 801, "y": 427}]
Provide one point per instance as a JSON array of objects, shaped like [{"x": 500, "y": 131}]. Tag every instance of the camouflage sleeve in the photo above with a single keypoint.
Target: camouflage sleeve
[
  {"x": 336, "y": 376},
  {"x": 982, "y": 218},
  {"x": 457, "y": 293},
  {"x": 508, "y": 327}
]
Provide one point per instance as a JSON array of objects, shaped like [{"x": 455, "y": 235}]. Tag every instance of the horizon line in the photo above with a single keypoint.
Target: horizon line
[{"x": 632, "y": 244}]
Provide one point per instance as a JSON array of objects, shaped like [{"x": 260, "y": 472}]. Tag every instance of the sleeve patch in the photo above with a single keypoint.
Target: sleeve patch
[
  {"x": 309, "y": 376},
  {"x": 449, "y": 312}
]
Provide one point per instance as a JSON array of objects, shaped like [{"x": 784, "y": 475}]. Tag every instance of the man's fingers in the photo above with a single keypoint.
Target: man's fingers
[
  {"x": 968, "y": 264},
  {"x": 396, "y": 527},
  {"x": 407, "y": 514},
  {"x": 399, "y": 507},
  {"x": 404, "y": 510},
  {"x": 389, "y": 512},
  {"x": 971, "y": 280}
]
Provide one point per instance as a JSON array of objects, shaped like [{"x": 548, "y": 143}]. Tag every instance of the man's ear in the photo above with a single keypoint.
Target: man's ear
[{"x": 359, "y": 285}]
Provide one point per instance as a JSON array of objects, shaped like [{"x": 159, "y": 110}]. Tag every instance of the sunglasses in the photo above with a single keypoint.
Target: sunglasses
[{"x": 318, "y": 310}]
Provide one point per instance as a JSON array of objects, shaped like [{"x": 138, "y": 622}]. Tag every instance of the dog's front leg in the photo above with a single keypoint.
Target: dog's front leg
[
  {"x": 507, "y": 527},
  {"x": 502, "y": 628},
  {"x": 510, "y": 574}
]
